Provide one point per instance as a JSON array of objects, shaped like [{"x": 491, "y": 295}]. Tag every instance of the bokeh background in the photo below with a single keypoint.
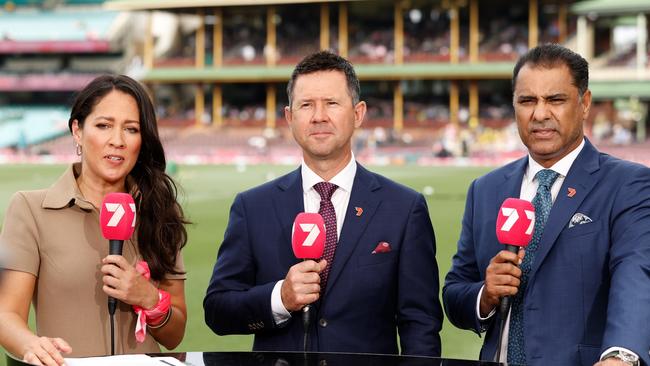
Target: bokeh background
[{"x": 435, "y": 74}]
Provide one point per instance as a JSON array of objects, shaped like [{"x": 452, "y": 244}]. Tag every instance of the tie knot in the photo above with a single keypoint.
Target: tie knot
[
  {"x": 325, "y": 190},
  {"x": 546, "y": 178}
]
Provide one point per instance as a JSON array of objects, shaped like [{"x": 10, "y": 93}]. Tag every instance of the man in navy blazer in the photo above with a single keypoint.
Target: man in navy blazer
[
  {"x": 383, "y": 276},
  {"x": 587, "y": 298}
]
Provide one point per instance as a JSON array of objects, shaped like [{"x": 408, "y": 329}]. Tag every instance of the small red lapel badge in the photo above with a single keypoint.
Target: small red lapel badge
[
  {"x": 572, "y": 192},
  {"x": 359, "y": 211}
]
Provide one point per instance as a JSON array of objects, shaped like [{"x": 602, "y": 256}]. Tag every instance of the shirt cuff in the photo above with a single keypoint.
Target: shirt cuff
[
  {"x": 478, "y": 307},
  {"x": 612, "y": 349},
  {"x": 280, "y": 313}
]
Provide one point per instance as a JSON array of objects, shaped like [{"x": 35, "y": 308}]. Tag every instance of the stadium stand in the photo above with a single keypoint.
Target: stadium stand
[
  {"x": 435, "y": 73},
  {"x": 46, "y": 54}
]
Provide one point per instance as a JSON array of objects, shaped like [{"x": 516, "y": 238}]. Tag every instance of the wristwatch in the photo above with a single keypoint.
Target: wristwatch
[{"x": 625, "y": 356}]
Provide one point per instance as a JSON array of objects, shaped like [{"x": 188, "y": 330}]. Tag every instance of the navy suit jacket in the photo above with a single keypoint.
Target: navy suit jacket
[
  {"x": 368, "y": 296},
  {"x": 589, "y": 287}
]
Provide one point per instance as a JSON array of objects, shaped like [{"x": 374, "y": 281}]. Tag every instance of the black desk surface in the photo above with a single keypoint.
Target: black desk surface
[
  {"x": 313, "y": 359},
  {"x": 303, "y": 359}
]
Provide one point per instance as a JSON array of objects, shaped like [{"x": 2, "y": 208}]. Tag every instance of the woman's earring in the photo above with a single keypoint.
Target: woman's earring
[{"x": 78, "y": 147}]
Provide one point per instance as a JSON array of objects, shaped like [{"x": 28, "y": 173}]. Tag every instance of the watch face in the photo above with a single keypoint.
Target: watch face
[{"x": 628, "y": 357}]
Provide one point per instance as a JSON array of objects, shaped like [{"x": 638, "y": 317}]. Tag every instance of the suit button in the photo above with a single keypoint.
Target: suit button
[{"x": 322, "y": 322}]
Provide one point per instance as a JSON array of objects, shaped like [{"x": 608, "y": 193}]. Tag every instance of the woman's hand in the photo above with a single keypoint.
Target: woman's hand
[
  {"x": 46, "y": 351},
  {"x": 123, "y": 282}
]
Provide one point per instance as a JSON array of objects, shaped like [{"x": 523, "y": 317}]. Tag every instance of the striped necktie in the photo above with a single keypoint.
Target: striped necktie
[
  {"x": 326, "y": 190},
  {"x": 542, "y": 202}
]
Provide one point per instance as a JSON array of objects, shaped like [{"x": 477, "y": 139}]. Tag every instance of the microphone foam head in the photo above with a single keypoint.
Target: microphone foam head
[
  {"x": 117, "y": 216},
  {"x": 308, "y": 236},
  {"x": 515, "y": 222}
]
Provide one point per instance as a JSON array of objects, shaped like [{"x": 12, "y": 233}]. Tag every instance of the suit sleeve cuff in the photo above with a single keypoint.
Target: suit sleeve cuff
[
  {"x": 280, "y": 313},
  {"x": 612, "y": 349},
  {"x": 478, "y": 308}
]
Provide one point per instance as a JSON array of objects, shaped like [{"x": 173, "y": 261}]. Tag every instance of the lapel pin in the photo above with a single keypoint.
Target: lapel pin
[
  {"x": 572, "y": 192},
  {"x": 359, "y": 211}
]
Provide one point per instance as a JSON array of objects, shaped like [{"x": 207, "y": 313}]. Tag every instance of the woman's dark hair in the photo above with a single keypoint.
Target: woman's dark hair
[{"x": 161, "y": 230}]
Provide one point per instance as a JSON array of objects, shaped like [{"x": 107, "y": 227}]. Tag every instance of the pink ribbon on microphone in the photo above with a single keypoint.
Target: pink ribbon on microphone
[{"x": 154, "y": 315}]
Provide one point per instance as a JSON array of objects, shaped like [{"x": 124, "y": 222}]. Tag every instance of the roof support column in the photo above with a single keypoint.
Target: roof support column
[
  {"x": 199, "y": 104},
  {"x": 454, "y": 102},
  {"x": 217, "y": 38},
  {"x": 147, "y": 53},
  {"x": 585, "y": 38},
  {"x": 473, "y": 31},
  {"x": 199, "y": 61},
  {"x": 270, "y": 105},
  {"x": 398, "y": 107},
  {"x": 641, "y": 42},
  {"x": 473, "y": 104},
  {"x": 217, "y": 105},
  {"x": 343, "y": 29},
  {"x": 324, "y": 26},
  {"x": 399, "y": 32},
  {"x": 533, "y": 24},
  {"x": 562, "y": 22},
  {"x": 271, "y": 38},
  {"x": 454, "y": 33}
]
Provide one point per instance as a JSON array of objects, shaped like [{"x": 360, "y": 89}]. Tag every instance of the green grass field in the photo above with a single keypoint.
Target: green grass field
[{"x": 208, "y": 191}]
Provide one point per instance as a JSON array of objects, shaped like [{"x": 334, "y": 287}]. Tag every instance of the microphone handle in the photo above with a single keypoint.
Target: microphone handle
[
  {"x": 306, "y": 317},
  {"x": 504, "y": 304},
  {"x": 504, "y": 309},
  {"x": 114, "y": 248}
]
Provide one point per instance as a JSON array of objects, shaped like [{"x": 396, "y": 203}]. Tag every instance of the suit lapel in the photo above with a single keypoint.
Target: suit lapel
[
  {"x": 580, "y": 178},
  {"x": 288, "y": 203},
  {"x": 362, "y": 195},
  {"x": 511, "y": 187}
]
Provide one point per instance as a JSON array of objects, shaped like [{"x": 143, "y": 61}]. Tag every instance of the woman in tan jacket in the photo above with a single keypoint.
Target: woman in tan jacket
[{"x": 56, "y": 257}]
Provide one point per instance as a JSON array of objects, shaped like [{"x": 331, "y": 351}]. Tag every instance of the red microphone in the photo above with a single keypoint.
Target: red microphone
[
  {"x": 515, "y": 225},
  {"x": 117, "y": 219},
  {"x": 308, "y": 236},
  {"x": 308, "y": 242}
]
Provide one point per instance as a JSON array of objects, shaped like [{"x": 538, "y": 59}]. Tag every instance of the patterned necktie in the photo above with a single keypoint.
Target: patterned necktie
[
  {"x": 542, "y": 203},
  {"x": 326, "y": 190}
]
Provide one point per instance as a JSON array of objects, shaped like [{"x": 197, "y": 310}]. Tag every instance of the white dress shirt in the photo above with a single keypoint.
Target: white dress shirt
[{"x": 340, "y": 199}]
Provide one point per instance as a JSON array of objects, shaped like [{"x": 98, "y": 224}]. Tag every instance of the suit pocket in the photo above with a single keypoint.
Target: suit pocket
[
  {"x": 588, "y": 354},
  {"x": 583, "y": 229},
  {"x": 377, "y": 258}
]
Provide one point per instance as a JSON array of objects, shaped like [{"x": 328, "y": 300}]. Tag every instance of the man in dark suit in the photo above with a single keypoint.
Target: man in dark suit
[
  {"x": 379, "y": 272},
  {"x": 581, "y": 294}
]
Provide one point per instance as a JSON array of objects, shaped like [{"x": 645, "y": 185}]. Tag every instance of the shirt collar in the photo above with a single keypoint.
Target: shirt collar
[
  {"x": 561, "y": 167},
  {"x": 65, "y": 191},
  {"x": 343, "y": 179}
]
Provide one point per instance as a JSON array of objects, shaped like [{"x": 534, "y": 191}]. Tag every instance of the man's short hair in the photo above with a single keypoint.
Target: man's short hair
[
  {"x": 326, "y": 61},
  {"x": 551, "y": 55}
]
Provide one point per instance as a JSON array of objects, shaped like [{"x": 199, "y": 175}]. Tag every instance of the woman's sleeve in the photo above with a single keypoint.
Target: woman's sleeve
[
  {"x": 19, "y": 238},
  {"x": 179, "y": 267}
]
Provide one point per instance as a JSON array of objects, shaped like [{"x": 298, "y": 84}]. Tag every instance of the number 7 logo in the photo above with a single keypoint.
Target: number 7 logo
[
  {"x": 513, "y": 216},
  {"x": 118, "y": 213},
  {"x": 313, "y": 231}
]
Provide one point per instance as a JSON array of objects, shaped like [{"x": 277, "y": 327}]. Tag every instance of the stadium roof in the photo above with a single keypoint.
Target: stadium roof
[
  {"x": 609, "y": 7},
  {"x": 185, "y": 4},
  {"x": 256, "y": 74},
  {"x": 602, "y": 90},
  {"x": 58, "y": 25}
]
